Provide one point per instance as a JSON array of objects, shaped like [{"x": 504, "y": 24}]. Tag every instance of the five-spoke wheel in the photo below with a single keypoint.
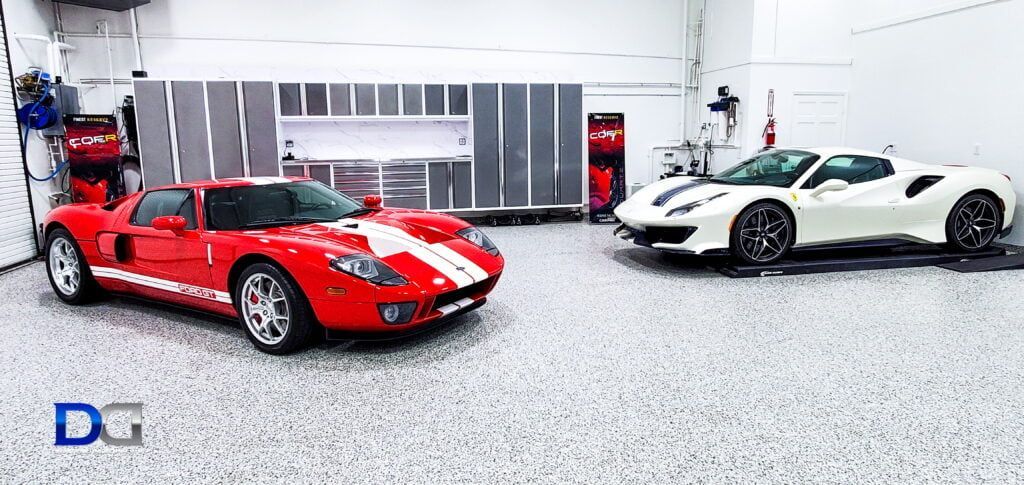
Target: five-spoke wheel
[
  {"x": 272, "y": 309},
  {"x": 763, "y": 233},
  {"x": 973, "y": 224}
]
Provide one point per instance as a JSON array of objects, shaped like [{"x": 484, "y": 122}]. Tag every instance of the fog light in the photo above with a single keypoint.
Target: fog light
[{"x": 396, "y": 313}]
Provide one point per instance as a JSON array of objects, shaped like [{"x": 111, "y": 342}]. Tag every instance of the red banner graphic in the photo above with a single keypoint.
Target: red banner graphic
[{"x": 607, "y": 154}]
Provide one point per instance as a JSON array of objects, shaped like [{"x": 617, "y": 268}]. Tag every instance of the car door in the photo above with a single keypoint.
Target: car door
[
  {"x": 174, "y": 263},
  {"x": 865, "y": 210}
]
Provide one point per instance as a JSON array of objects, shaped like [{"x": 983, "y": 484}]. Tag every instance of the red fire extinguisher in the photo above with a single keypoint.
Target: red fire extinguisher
[
  {"x": 769, "y": 128},
  {"x": 769, "y": 133}
]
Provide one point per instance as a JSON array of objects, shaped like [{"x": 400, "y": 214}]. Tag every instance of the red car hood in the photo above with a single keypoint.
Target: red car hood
[
  {"x": 419, "y": 245},
  {"x": 377, "y": 234}
]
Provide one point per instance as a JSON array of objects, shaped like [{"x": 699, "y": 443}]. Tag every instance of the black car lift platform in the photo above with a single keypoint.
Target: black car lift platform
[{"x": 882, "y": 256}]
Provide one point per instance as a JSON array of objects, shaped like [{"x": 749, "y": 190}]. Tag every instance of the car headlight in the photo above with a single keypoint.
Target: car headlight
[
  {"x": 476, "y": 236},
  {"x": 683, "y": 209},
  {"x": 368, "y": 268}
]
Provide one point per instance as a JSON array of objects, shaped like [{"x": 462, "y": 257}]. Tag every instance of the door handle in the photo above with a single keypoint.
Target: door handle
[{"x": 894, "y": 201}]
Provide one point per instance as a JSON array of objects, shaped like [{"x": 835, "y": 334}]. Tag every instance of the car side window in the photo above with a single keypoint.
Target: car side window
[
  {"x": 852, "y": 169},
  {"x": 171, "y": 202}
]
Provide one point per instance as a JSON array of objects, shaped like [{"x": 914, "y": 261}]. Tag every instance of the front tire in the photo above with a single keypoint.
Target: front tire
[
  {"x": 272, "y": 309},
  {"x": 67, "y": 269},
  {"x": 763, "y": 234},
  {"x": 973, "y": 224}
]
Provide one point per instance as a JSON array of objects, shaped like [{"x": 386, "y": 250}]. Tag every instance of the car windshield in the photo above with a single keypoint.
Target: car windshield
[
  {"x": 253, "y": 206},
  {"x": 778, "y": 168}
]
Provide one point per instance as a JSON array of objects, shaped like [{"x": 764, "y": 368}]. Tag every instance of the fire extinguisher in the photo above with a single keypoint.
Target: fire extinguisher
[
  {"x": 769, "y": 134},
  {"x": 769, "y": 128}
]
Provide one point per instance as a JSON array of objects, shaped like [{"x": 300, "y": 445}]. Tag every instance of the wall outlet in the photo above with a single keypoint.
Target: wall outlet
[{"x": 462, "y": 140}]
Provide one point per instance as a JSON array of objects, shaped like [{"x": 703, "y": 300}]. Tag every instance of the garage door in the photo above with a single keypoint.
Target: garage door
[{"x": 17, "y": 236}]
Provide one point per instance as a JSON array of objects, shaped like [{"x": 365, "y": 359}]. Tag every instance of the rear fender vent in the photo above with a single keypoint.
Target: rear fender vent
[{"x": 922, "y": 183}]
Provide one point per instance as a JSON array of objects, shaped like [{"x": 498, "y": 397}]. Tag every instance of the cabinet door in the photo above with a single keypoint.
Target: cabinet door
[
  {"x": 438, "y": 181},
  {"x": 570, "y": 144},
  {"x": 289, "y": 99},
  {"x": 458, "y": 100},
  {"x": 261, "y": 128},
  {"x": 190, "y": 126},
  {"x": 388, "y": 96},
  {"x": 516, "y": 144},
  {"x": 222, "y": 101},
  {"x": 462, "y": 185},
  {"x": 412, "y": 99},
  {"x": 316, "y": 99},
  {"x": 542, "y": 144},
  {"x": 366, "y": 100},
  {"x": 485, "y": 145},
  {"x": 434, "y": 94},
  {"x": 154, "y": 133},
  {"x": 341, "y": 101}
]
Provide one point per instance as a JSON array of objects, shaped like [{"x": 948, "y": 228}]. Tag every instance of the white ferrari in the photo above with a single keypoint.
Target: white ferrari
[{"x": 784, "y": 198}]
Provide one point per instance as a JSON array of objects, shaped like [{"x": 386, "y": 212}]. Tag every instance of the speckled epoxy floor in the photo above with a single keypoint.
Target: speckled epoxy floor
[{"x": 594, "y": 361}]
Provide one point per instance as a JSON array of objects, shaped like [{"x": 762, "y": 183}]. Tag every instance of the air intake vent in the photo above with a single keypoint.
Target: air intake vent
[{"x": 922, "y": 183}]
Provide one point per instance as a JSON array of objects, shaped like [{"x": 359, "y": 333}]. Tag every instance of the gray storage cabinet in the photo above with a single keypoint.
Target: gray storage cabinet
[
  {"x": 191, "y": 130},
  {"x": 154, "y": 133},
  {"x": 222, "y": 103},
  {"x": 515, "y": 166},
  {"x": 542, "y": 144},
  {"x": 485, "y": 146},
  {"x": 261, "y": 128},
  {"x": 570, "y": 144}
]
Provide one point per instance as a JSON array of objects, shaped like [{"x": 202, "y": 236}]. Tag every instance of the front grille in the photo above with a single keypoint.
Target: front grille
[
  {"x": 472, "y": 291},
  {"x": 668, "y": 235}
]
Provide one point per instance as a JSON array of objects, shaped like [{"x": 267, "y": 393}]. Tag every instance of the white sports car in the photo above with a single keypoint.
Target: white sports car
[{"x": 785, "y": 198}]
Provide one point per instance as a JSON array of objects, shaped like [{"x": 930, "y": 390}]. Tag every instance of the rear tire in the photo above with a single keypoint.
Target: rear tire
[
  {"x": 763, "y": 234},
  {"x": 272, "y": 309},
  {"x": 973, "y": 224},
  {"x": 67, "y": 269}
]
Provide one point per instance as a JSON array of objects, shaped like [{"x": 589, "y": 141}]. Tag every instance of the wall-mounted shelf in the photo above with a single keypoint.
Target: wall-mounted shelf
[{"x": 287, "y": 119}]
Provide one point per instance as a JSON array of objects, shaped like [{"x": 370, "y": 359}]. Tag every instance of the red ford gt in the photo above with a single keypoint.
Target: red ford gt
[{"x": 285, "y": 255}]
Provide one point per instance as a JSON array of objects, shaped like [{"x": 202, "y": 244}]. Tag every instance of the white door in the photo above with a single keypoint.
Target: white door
[
  {"x": 819, "y": 119},
  {"x": 17, "y": 236}
]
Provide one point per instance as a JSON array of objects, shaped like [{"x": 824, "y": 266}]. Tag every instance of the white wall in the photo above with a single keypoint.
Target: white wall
[
  {"x": 32, "y": 17},
  {"x": 940, "y": 86},
  {"x": 786, "y": 45}
]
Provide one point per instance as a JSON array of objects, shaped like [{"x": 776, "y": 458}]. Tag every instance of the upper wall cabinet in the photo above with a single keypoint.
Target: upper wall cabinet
[{"x": 306, "y": 101}]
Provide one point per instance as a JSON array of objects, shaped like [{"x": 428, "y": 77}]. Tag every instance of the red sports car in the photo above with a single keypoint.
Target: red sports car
[{"x": 285, "y": 255}]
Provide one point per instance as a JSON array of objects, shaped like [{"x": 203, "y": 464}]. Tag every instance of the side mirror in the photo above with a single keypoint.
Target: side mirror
[
  {"x": 169, "y": 223},
  {"x": 830, "y": 185},
  {"x": 372, "y": 201}
]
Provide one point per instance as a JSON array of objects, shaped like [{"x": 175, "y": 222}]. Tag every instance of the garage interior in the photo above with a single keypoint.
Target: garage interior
[{"x": 594, "y": 359}]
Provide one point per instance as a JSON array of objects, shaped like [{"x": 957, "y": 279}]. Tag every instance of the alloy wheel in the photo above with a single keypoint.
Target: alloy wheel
[
  {"x": 265, "y": 309},
  {"x": 64, "y": 266},
  {"x": 765, "y": 234},
  {"x": 975, "y": 224}
]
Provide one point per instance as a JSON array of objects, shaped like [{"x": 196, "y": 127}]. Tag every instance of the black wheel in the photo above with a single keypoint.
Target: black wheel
[
  {"x": 67, "y": 269},
  {"x": 272, "y": 310},
  {"x": 973, "y": 224},
  {"x": 763, "y": 234}
]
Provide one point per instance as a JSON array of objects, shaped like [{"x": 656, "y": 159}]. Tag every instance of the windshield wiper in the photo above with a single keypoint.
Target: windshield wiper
[
  {"x": 282, "y": 221},
  {"x": 357, "y": 212},
  {"x": 724, "y": 181}
]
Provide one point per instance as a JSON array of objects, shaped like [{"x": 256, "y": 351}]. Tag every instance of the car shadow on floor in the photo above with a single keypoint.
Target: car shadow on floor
[
  {"x": 669, "y": 264},
  {"x": 462, "y": 332}
]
